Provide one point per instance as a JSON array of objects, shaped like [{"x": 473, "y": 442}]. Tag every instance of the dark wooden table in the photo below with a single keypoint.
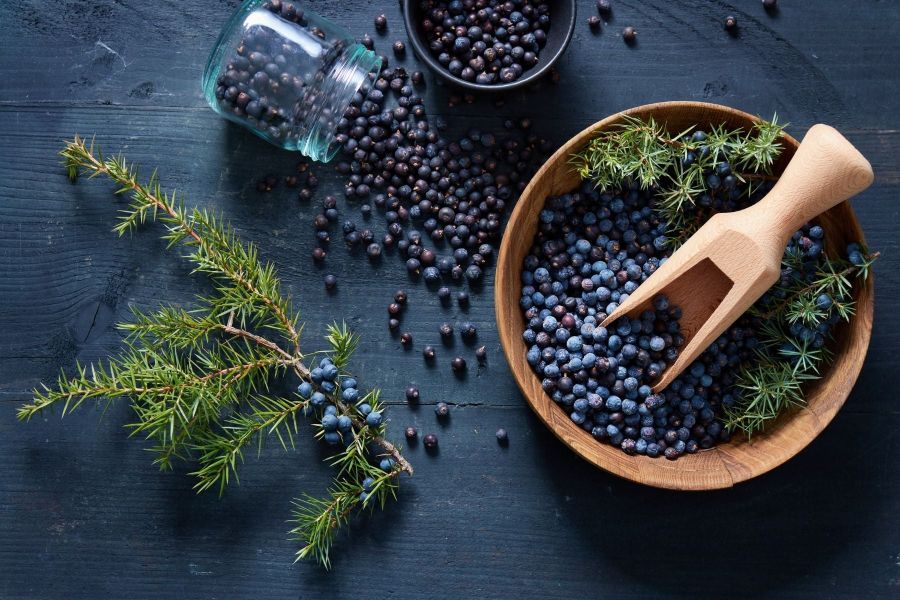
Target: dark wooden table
[{"x": 83, "y": 514}]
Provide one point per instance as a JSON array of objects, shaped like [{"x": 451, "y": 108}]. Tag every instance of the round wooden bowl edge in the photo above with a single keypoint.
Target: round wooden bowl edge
[{"x": 726, "y": 464}]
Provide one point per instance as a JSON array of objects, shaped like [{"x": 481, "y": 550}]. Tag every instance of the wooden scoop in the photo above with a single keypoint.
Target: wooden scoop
[{"x": 735, "y": 257}]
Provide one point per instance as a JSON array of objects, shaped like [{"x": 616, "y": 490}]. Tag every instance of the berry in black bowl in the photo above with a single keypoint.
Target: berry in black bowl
[{"x": 492, "y": 44}]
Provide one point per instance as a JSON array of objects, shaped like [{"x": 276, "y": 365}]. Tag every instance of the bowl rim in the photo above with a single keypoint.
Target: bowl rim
[
  {"x": 412, "y": 33},
  {"x": 726, "y": 464}
]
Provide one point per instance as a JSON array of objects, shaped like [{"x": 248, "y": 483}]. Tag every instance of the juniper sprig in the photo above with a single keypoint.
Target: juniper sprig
[
  {"x": 644, "y": 152},
  {"x": 676, "y": 168},
  {"x": 199, "y": 380},
  {"x": 773, "y": 381}
]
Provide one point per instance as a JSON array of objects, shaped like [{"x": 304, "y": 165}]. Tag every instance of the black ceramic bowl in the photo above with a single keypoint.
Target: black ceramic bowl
[{"x": 562, "y": 24}]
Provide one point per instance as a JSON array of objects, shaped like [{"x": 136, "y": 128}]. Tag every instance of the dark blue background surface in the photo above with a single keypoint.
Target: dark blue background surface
[{"x": 84, "y": 514}]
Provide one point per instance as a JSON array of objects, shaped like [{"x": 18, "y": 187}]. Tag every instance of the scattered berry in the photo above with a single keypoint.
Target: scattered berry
[
  {"x": 502, "y": 436},
  {"x": 730, "y": 23},
  {"x": 318, "y": 254},
  {"x": 399, "y": 48},
  {"x": 330, "y": 282},
  {"x": 604, "y": 7},
  {"x": 412, "y": 394},
  {"x": 446, "y": 331},
  {"x": 481, "y": 354},
  {"x": 629, "y": 34},
  {"x": 458, "y": 364},
  {"x": 381, "y": 23},
  {"x": 400, "y": 297},
  {"x": 406, "y": 339},
  {"x": 594, "y": 22},
  {"x": 430, "y": 441},
  {"x": 770, "y": 4},
  {"x": 428, "y": 353},
  {"x": 411, "y": 433},
  {"x": 442, "y": 410}
]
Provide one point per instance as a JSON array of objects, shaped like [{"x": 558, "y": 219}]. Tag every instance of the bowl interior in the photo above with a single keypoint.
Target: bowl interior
[
  {"x": 726, "y": 464},
  {"x": 562, "y": 23}
]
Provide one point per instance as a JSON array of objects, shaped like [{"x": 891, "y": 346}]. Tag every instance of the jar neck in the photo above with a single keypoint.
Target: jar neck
[{"x": 326, "y": 102}]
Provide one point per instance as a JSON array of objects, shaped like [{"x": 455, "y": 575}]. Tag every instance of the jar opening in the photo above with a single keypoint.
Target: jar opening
[{"x": 323, "y": 106}]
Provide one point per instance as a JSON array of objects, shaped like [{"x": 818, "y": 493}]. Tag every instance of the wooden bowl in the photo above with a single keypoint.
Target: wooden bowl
[{"x": 728, "y": 463}]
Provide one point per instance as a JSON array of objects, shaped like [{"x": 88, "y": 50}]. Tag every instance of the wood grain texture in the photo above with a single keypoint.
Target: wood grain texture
[
  {"x": 741, "y": 459},
  {"x": 84, "y": 514}
]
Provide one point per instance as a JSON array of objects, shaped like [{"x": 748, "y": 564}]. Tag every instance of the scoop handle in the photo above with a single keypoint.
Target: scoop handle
[{"x": 825, "y": 171}]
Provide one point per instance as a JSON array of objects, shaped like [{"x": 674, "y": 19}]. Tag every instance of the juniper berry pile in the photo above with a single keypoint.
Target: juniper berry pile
[
  {"x": 591, "y": 250},
  {"x": 486, "y": 41},
  {"x": 456, "y": 191}
]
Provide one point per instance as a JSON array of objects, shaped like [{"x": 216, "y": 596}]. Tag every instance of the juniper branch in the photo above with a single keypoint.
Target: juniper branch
[{"x": 198, "y": 380}]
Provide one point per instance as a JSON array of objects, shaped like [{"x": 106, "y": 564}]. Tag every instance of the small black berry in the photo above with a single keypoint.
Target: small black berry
[
  {"x": 629, "y": 34},
  {"x": 604, "y": 7},
  {"x": 442, "y": 410},
  {"x": 458, "y": 364},
  {"x": 430, "y": 441},
  {"x": 406, "y": 339},
  {"x": 730, "y": 23},
  {"x": 393, "y": 324},
  {"x": 502, "y": 436},
  {"x": 481, "y": 354},
  {"x": 594, "y": 22},
  {"x": 330, "y": 282},
  {"x": 394, "y": 308},
  {"x": 428, "y": 353},
  {"x": 412, "y": 394},
  {"x": 446, "y": 330},
  {"x": 463, "y": 299},
  {"x": 399, "y": 48},
  {"x": 318, "y": 254},
  {"x": 381, "y": 23},
  {"x": 411, "y": 433},
  {"x": 400, "y": 297},
  {"x": 468, "y": 331}
]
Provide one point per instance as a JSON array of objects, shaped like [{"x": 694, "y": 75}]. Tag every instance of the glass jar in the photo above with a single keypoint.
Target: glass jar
[{"x": 287, "y": 75}]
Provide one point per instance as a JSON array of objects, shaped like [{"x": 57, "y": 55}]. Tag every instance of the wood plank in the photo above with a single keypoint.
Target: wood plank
[
  {"x": 83, "y": 514},
  {"x": 529, "y": 517}
]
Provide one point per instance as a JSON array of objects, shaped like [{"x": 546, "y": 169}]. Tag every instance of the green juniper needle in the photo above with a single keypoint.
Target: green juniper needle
[{"x": 199, "y": 380}]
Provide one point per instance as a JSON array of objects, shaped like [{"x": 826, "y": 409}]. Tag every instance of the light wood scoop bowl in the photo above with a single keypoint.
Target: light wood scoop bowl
[
  {"x": 740, "y": 459},
  {"x": 735, "y": 257}
]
